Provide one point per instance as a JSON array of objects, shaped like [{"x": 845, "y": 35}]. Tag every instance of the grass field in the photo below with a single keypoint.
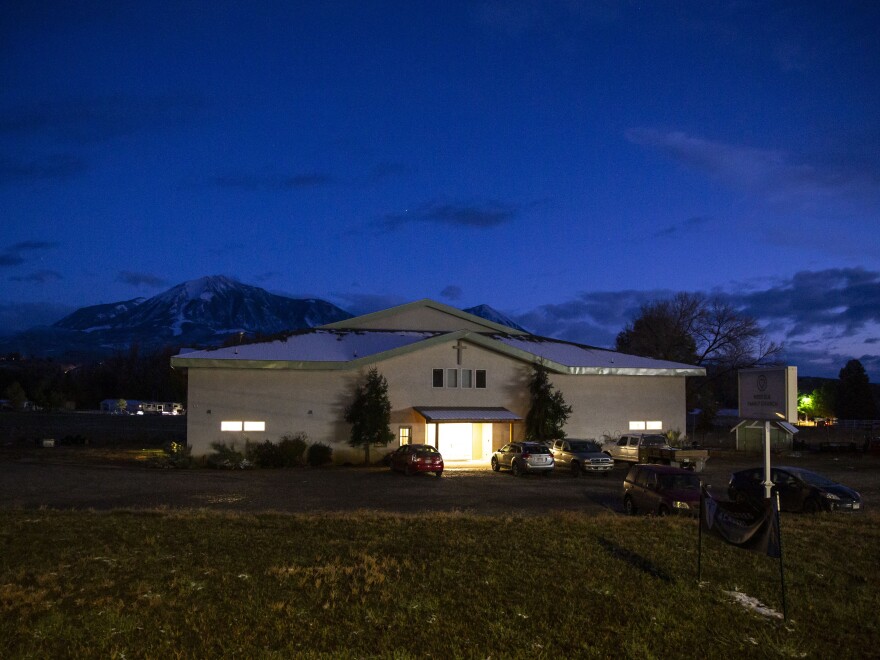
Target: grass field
[{"x": 199, "y": 584}]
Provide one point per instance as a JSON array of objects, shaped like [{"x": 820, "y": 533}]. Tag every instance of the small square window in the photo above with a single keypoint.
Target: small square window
[{"x": 437, "y": 378}]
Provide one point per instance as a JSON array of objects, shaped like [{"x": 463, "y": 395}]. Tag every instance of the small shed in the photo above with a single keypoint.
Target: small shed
[{"x": 750, "y": 435}]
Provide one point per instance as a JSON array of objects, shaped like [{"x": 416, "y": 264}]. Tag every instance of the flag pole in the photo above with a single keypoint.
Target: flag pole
[
  {"x": 700, "y": 535},
  {"x": 781, "y": 566}
]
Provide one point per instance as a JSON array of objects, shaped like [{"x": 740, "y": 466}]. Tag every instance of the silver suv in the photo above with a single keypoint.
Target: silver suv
[
  {"x": 579, "y": 456},
  {"x": 523, "y": 457}
]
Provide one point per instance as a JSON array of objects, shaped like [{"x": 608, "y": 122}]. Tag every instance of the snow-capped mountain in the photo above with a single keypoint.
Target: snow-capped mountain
[
  {"x": 202, "y": 312},
  {"x": 491, "y": 314},
  {"x": 199, "y": 313}
]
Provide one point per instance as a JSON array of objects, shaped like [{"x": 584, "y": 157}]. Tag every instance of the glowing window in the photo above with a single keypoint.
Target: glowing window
[
  {"x": 255, "y": 426},
  {"x": 405, "y": 435},
  {"x": 230, "y": 426},
  {"x": 654, "y": 426},
  {"x": 636, "y": 426}
]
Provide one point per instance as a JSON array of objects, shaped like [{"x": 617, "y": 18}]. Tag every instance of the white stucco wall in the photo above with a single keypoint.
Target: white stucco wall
[{"x": 313, "y": 402}]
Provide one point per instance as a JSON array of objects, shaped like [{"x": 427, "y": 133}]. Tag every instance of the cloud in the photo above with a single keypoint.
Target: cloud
[
  {"x": 98, "y": 119},
  {"x": 58, "y": 166},
  {"x": 273, "y": 182},
  {"x": 843, "y": 300},
  {"x": 39, "y": 277},
  {"x": 480, "y": 216},
  {"x": 682, "y": 229},
  {"x": 141, "y": 280},
  {"x": 769, "y": 174},
  {"x": 451, "y": 292},
  {"x": 13, "y": 255},
  {"x": 824, "y": 318}
]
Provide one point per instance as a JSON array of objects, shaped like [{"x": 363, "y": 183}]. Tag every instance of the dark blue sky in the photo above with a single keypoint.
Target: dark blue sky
[{"x": 563, "y": 162}]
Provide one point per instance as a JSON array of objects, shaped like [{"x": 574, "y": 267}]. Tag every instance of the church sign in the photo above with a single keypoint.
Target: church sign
[{"x": 768, "y": 393}]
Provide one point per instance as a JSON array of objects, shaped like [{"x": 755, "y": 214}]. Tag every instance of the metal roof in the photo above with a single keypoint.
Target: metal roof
[{"x": 439, "y": 414}]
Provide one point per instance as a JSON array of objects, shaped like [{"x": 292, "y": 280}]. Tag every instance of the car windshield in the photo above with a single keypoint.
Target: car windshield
[
  {"x": 679, "y": 481},
  {"x": 813, "y": 479},
  {"x": 584, "y": 445},
  {"x": 536, "y": 449}
]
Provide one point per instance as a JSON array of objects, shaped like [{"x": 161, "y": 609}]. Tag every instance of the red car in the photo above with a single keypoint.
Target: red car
[{"x": 410, "y": 459}]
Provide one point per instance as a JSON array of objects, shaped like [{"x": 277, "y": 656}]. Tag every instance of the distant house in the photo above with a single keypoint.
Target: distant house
[
  {"x": 455, "y": 380},
  {"x": 136, "y": 407}
]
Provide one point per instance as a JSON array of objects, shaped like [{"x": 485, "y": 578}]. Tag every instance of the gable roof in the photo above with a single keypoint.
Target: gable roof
[
  {"x": 330, "y": 349},
  {"x": 373, "y": 319}
]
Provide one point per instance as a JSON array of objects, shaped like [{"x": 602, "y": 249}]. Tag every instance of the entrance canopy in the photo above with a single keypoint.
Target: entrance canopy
[{"x": 435, "y": 415}]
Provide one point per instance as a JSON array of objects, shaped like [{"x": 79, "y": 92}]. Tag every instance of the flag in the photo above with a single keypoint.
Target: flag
[{"x": 741, "y": 524}]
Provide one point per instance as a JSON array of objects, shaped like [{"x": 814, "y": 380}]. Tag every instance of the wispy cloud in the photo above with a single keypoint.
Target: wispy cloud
[
  {"x": 57, "y": 166},
  {"x": 15, "y": 254},
  {"x": 683, "y": 228},
  {"x": 771, "y": 174},
  {"x": 38, "y": 277},
  {"x": 145, "y": 280},
  {"x": 273, "y": 182},
  {"x": 97, "y": 119},
  {"x": 478, "y": 215},
  {"x": 451, "y": 292}
]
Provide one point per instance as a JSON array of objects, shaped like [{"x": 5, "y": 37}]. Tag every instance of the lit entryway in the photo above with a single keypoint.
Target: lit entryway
[{"x": 464, "y": 441}]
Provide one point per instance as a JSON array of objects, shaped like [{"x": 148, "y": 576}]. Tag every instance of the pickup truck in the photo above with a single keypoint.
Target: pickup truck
[
  {"x": 581, "y": 457},
  {"x": 653, "y": 448}
]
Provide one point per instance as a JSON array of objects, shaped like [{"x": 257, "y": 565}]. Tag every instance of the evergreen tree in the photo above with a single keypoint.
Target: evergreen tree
[
  {"x": 548, "y": 411},
  {"x": 370, "y": 414},
  {"x": 854, "y": 397}
]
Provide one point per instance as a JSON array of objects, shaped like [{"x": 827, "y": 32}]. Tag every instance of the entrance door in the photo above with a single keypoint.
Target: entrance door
[{"x": 455, "y": 441}]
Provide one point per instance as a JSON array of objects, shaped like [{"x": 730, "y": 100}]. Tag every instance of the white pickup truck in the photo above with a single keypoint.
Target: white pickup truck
[{"x": 653, "y": 448}]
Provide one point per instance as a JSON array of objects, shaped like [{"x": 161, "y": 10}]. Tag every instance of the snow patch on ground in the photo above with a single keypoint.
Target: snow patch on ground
[{"x": 753, "y": 604}]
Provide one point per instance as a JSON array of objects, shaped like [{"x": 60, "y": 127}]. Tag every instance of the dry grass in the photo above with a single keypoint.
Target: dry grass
[{"x": 201, "y": 584}]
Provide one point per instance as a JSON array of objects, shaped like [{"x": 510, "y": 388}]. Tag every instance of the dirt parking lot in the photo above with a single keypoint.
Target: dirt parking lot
[{"x": 66, "y": 479}]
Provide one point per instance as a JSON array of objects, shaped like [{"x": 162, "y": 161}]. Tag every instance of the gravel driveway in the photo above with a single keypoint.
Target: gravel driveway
[{"x": 29, "y": 483}]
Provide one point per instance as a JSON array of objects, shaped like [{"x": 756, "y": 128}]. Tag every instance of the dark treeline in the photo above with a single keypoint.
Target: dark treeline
[{"x": 53, "y": 385}]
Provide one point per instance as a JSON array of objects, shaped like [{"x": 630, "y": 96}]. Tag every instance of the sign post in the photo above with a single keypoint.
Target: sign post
[{"x": 768, "y": 394}]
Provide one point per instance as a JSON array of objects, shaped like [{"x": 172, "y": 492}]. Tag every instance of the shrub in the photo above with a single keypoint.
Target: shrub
[
  {"x": 178, "y": 454},
  {"x": 293, "y": 449},
  {"x": 319, "y": 454},
  {"x": 227, "y": 457},
  {"x": 264, "y": 455}
]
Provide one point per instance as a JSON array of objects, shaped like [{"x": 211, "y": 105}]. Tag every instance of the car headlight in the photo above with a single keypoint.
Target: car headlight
[
  {"x": 680, "y": 505},
  {"x": 830, "y": 496}
]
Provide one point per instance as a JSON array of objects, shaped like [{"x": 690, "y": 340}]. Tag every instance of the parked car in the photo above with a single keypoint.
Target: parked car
[
  {"x": 661, "y": 489},
  {"x": 626, "y": 447},
  {"x": 410, "y": 459},
  {"x": 580, "y": 456},
  {"x": 799, "y": 490},
  {"x": 523, "y": 457}
]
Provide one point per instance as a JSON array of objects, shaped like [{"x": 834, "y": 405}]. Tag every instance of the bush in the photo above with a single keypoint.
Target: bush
[
  {"x": 293, "y": 449},
  {"x": 319, "y": 454},
  {"x": 265, "y": 455},
  {"x": 227, "y": 457},
  {"x": 178, "y": 454}
]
